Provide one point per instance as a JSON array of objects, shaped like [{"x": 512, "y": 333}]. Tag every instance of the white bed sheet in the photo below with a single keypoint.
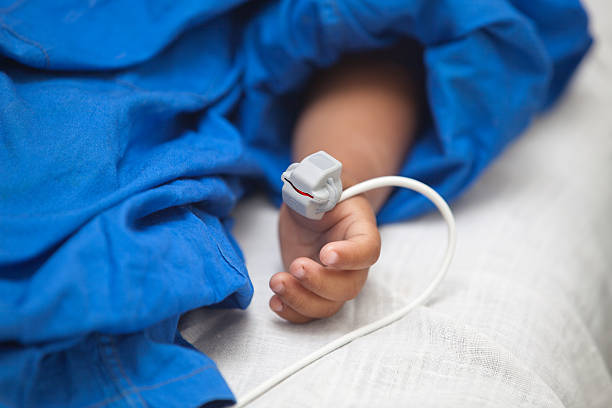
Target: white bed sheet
[{"x": 524, "y": 318}]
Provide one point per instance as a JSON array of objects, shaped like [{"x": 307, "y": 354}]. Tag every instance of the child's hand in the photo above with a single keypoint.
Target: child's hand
[
  {"x": 363, "y": 112},
  {"x": 327, "y": 260}
]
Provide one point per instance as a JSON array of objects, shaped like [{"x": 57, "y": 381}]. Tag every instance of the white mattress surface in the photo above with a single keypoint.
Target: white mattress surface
[{"x": 524, "y": 318}]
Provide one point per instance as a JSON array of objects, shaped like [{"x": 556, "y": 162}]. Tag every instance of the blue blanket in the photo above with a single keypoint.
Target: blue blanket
[{"x": 128, "y": 133}]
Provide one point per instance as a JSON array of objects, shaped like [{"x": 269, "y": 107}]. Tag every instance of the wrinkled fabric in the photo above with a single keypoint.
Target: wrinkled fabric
[{"x": 127, "y": 134}]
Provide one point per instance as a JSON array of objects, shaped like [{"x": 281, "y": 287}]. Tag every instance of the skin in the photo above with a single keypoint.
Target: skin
[{"x": 363, "y": 111}]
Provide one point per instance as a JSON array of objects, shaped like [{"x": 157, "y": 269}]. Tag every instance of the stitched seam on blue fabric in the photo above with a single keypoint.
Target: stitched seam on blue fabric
[
  {"x": 113, "y": 345},
  {"x": 103, "y": 345},
  {"x": 28, "y": 41},
  {"x": 149, "y": 387}
]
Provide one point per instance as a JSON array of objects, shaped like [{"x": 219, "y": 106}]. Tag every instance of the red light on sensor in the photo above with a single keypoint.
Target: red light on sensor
[{"x": 298, "y": 190}]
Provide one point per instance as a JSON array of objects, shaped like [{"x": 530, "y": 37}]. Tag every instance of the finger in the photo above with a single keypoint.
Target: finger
[
  {"x": 330, "y": 283},
  {"x": 286, "y": 312},
  {"x": 359, "y": 251},
  {"x": 300, "y": 299}
]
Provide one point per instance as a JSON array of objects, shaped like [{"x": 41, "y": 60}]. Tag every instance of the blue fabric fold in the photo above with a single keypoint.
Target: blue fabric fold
[{"x": 127, "y": 135}]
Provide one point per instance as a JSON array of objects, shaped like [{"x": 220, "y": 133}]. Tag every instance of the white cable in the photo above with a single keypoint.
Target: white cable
[{"x": 389, "y": 181}]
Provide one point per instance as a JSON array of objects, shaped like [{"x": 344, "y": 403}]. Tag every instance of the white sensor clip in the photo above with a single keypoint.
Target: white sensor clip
[{"x": 313, "y": 186}]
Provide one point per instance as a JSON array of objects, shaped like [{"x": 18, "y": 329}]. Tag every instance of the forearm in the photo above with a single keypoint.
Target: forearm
[{"x": 364, "y": 113}]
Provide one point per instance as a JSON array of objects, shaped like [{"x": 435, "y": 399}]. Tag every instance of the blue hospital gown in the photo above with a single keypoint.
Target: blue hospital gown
[{"x": 128, "y": 133}]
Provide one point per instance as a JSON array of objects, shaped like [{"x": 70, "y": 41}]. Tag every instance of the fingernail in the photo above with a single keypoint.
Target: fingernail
[
  {"x": 276, "y": 304},
  {"x": 300, "y": 272},
  {"x": 277, "y": 287},
  {"x": 331, "y": 257}
]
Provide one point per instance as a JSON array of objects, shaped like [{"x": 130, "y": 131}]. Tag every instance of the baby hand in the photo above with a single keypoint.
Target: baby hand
[{"x": 327, "y": 260}]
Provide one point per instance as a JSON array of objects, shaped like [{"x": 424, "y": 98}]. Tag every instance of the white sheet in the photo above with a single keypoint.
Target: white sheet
[{"x": 524, "y": 318}]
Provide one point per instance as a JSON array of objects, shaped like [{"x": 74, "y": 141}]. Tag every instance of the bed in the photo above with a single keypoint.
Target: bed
[{"x": 524, "y": 317}]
